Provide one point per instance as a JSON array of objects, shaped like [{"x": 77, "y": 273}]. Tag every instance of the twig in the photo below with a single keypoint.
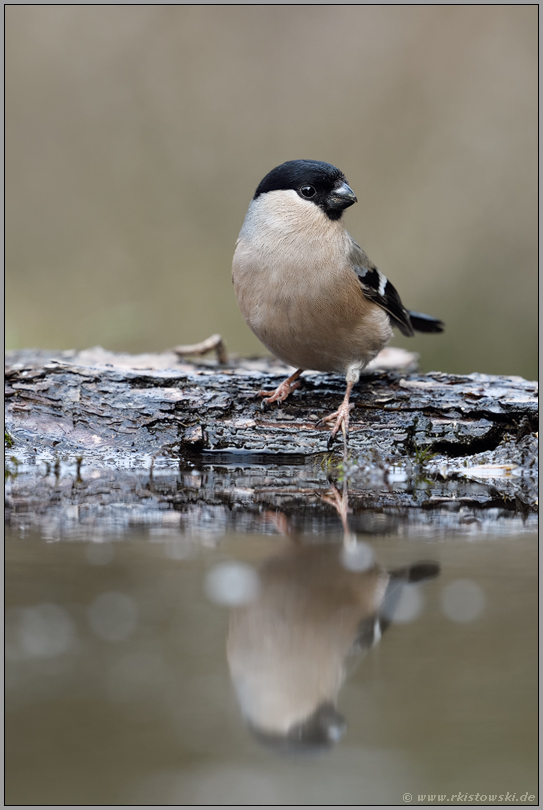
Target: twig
[{"x": 213, "y": 343}]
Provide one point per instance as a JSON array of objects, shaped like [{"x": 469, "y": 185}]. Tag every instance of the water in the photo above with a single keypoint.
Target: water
[{"x": 119, "y": 688}]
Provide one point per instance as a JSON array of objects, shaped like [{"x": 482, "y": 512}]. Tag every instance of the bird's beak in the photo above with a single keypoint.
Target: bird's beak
[
  {"x": 343, "y": 196},
  {"x": 331, "y": 722}
]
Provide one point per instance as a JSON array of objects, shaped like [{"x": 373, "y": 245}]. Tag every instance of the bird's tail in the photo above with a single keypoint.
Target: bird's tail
[
  {"x": 396, "y": 584},
  {"x": 417, "y": 572},
  {"x": 425, "y": 323}
]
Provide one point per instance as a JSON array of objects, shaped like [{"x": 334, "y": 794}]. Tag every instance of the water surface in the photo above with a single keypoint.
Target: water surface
[{"x": 119, "y": 689}]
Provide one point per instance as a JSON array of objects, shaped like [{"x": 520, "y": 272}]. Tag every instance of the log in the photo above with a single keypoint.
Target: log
[{"x": 160, "y": 431}]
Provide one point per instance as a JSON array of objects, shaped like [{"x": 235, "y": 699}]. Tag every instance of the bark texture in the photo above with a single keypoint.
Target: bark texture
[{"x": 417, "y": 441}]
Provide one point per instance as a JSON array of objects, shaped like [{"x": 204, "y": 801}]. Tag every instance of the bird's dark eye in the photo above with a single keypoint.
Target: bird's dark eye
[{"x": 308, "y": 191}]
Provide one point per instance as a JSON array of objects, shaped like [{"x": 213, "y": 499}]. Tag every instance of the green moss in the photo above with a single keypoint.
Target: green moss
[{"x": 11, "y": 469}]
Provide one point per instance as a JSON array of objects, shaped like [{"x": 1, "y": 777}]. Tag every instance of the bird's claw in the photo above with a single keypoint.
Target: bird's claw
[
  {"x": 265, "y": 405},
  {"x": 342, "y": 421},
  {"x": 279, "y": 395},
  {"x": 333, "y": 436}
]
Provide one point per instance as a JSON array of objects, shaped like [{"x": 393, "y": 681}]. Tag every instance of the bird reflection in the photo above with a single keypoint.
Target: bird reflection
[{"x": 316, "y": 607}]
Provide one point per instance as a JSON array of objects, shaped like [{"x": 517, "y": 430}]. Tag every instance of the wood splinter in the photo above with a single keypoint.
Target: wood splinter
[{"x": 214, "y": 343}]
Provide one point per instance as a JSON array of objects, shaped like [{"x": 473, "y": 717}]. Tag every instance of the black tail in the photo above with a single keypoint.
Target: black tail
[
  {"x": 417, "y": 572},
  {"x": 398, "y": 580},
  {"x": 425, "y": 323}
]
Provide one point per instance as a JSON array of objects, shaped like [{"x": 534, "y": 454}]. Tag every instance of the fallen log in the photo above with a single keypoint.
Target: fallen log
[{"x": 417, "y": 441}]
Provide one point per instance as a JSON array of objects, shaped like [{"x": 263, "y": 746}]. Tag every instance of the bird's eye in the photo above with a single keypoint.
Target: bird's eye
[{"x": 308, "y": 191}]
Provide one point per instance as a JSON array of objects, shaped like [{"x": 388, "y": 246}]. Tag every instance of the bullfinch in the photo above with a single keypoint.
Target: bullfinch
[
  {"x": 289, "y": 649},
  {"x": 307, "y": 289}
]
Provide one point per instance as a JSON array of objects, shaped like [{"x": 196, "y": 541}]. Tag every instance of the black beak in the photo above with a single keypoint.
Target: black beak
[
  {"x": 331, "y": 723},
  {"x": 342, "y": 197}
]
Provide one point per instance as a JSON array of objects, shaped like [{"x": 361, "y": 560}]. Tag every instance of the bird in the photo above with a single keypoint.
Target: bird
[
  {"x": 290, "y": 649},
  {"x": 307, "y": 290}
]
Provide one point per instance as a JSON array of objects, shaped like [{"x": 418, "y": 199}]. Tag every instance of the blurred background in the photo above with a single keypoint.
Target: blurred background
[{"x": 136, "y": 135}]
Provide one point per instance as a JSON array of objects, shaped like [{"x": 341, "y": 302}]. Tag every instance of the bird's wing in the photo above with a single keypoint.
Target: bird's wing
[{"x": 377, "y": 288}]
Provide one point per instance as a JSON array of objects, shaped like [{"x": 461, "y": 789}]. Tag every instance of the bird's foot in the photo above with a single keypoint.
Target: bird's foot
[
  {"x": 342, "y": 421},
  {"x": 281, "y": 392},
  {"x": 340, "y": 502}
]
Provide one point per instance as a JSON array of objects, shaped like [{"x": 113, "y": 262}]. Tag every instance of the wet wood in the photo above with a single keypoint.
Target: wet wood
[{"x": 110, "y": 411}]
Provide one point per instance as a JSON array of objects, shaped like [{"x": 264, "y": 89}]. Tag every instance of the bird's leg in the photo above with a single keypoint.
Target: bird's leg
[
  {"x": 282, "y": 391},
  {"x": 340, "y": 502},
  {"x": 283, "y": 526},
  {"x": 342, "y": 418}
]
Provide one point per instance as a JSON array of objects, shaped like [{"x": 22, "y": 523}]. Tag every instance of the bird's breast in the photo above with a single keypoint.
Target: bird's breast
[{"x": 303, "y": 300}]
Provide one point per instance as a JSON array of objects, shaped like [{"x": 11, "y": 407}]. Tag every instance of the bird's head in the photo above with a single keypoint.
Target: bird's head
[{"x": 314, "y": 181}]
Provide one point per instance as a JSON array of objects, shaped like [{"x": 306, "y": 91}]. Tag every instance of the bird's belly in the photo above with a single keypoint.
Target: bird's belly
[
  {"x": 328, "y": 326},
  {"x": 309, "y": 340}
]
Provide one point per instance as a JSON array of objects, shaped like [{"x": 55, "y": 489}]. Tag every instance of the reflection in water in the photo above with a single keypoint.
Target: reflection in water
[
  {"x": 314, "y": 609},
  {"x": 462, "y": 600},
  {"x": 118, "y": 690},
  {"x": 108, "y": 631}
]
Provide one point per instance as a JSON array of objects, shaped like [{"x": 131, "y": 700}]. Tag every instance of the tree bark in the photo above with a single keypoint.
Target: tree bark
[{"x": 119, "y": 412}]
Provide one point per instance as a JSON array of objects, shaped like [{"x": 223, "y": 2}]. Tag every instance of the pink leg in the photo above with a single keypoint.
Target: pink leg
[
  {"x": 342, "y": 418},
  {"x": 340, "y": 504},
  {"x": 282, "y": 391}
]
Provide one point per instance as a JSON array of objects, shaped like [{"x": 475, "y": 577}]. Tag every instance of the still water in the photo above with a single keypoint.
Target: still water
[{"x": 120, "y": 687}]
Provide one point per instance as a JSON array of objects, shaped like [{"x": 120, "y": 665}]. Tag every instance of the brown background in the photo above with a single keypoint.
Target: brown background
[{"x": 136, "y": 135}]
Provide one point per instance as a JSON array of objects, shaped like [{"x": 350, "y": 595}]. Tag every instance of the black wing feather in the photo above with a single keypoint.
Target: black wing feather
[{"x": 377, "y": 288}]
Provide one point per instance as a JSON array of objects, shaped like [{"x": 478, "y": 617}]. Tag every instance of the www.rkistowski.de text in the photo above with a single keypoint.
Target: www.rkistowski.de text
[{"x": 469, "y": 797}]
